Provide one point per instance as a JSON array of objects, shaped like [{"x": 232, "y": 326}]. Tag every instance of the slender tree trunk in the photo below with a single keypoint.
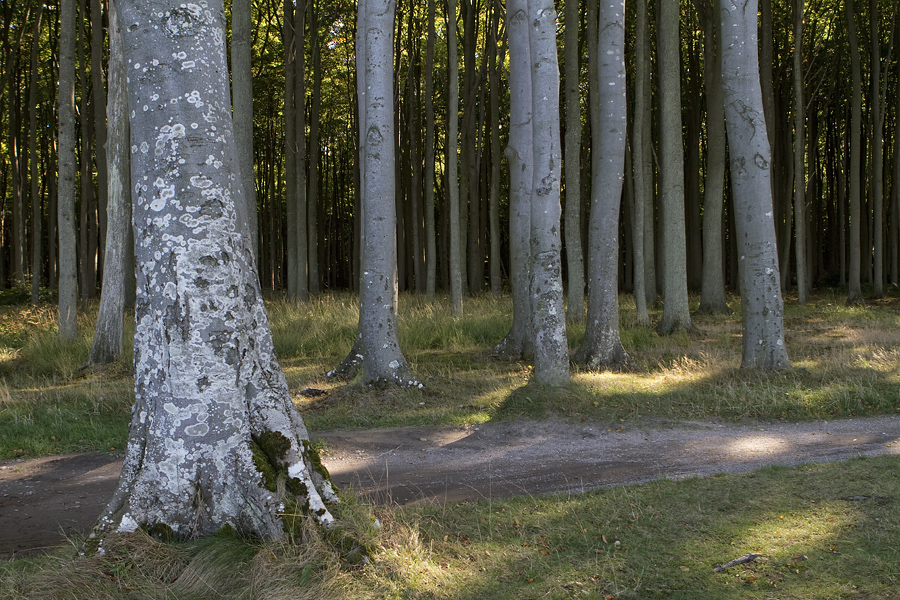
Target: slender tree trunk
[
  {"x": 712, "y": 297},
  {"x": 494, "y": 100},
  {"x": 471, "y": 261},
  {"x": 855, "y": 288},
  {"x": 877, "y": 189},
  {"x": 290, "y": 150},
  {"x": 551, "y": 353},
  {"x": 676, "y": 312},
  {"x": 430, "y": 238},
  {"x": 415, "y": 166},
  {"x": 312, "y": 213},
  {"x": 301, "y": 269},
  {"x": 86, "y": 249},
  {"x": 68, "y": 276},
  {"x": 574, "y": 254},
  {"x": 519, "y": 342},
  {"x": 242, "y": 104},
  {"x": 453, "y": 186},
  {"x": 799, "y": 156},
  {"x": 641, "y": 185},
  {"x": 895, "y": 180},
  {"x": 99, "y": 117},
  {"x": 762, "y": 306},
  {"x": 37, "y": 215},
  {"x": 18, "y": 202},
  {"x": 109, "y": 332},
  {"x": 602, "y": 346}
]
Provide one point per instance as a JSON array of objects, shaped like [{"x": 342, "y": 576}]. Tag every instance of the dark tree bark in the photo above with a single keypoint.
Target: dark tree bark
[
  {"x": 242, "y": 103},
  {"x": 854, "y": 295},
  {"x": 574, "y": 254},
  {"x": 37, "y": 216}
]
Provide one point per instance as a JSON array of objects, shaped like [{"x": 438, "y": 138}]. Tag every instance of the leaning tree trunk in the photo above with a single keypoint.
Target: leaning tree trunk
[
  {"x": 602, "y": 346},
  {"x": 215, "y": 440},
  {"x": 109, "y": 331},
  {"x": 551, "y": 351},
  {"x": 762, "y": 307},
  {"x": 519, "y": 342},
  {"x": 68, "y": 275},
  {"x": 676, "y": 312}
]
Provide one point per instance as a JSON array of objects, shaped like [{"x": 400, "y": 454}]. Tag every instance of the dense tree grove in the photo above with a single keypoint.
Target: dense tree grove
[{"x": 830, "y": 81}]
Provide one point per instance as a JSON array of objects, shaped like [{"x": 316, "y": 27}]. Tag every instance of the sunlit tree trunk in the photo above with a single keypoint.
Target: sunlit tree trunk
[
  {"x": 762, "y": 306},
  {"x": 519, "y": 342},
  {"x": 602, "y": 346},
  {"x": 68, "y": 276},
  {"x": 676, "y": 313},
  {"x": 215, "y": 440},
  {"x": 574, "y": 254},
  {"x": 551, "y": 353}
]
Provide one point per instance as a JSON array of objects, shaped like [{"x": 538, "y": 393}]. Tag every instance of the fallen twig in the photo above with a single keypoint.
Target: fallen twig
[{"x": 738, "y": 561}]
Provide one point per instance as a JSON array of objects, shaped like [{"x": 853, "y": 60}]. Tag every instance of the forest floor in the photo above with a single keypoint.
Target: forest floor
[{"x": 45, "y": 501}]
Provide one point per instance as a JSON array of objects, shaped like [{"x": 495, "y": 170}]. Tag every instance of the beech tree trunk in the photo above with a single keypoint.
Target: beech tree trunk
[
  {"x": 215, "y": 440},
  {"x": 453, "y": 187},
  {"x": 676, "y": 311},
  {"x": 712, "y": 296},
  {"x": 519, "y": 342},
  {"x": 799, "y": 157},
  {"x": 642, "y": 186},
  {"x": 430, "y": 237},
  {"x": 602, "y": 346},
  {"x": 37, "y": 215},
  {"x": 551, "y": 351},
  {"x": 762, "y": 307},
  {"x": 574, "y": 254},
  {"x": 109, "y": 331},
  {"x": 854, "y": 175},
  {"x": 242, "y": 101},
  {"x": 68, "y": 275}
]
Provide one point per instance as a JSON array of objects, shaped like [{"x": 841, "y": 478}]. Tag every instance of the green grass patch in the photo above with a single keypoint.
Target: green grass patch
[{"x": 846, "y": 363}]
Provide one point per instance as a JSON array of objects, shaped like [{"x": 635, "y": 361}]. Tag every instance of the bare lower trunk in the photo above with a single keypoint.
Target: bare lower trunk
[
  {"x": 551, "y": 353},
  {"x": 602, "y": 346},
  {"x": 762, "y": 307},
  {"x": 854, "y": 295},
  {"x": 574, "y": 255},
  {"x": 68, "y": 278}
]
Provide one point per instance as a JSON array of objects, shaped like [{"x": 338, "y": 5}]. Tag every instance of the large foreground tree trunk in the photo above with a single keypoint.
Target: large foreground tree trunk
[
  {"x": 762, "y": 307},
  {"x": 214, "y": 440}
]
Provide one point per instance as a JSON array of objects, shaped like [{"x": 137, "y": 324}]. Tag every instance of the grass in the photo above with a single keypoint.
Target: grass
[
  {"x": 822, "y": 531},
  {"x": 846, "y": 363}
]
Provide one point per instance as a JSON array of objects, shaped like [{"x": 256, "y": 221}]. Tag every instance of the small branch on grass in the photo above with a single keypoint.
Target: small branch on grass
[{"x": 738, "y": 561}]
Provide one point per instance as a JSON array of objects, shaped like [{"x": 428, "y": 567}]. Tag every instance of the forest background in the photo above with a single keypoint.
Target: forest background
[{"x": 305, "y": 139}]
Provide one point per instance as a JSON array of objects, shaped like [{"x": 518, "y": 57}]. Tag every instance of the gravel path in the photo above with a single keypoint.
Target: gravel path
[{"x": 45, "y": 499}]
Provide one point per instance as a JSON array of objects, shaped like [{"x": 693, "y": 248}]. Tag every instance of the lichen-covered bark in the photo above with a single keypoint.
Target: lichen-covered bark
[
  {"x": 207, "y": 384},
  {"x": 519, "y": 342},
  {"x": 602, "y": 346},
  {"x": 551, "y": 351},
  {"x": 762, "y": 307}
]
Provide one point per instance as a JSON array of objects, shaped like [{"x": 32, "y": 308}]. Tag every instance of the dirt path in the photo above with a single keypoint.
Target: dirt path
[{"x": 43, "y": 499}]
